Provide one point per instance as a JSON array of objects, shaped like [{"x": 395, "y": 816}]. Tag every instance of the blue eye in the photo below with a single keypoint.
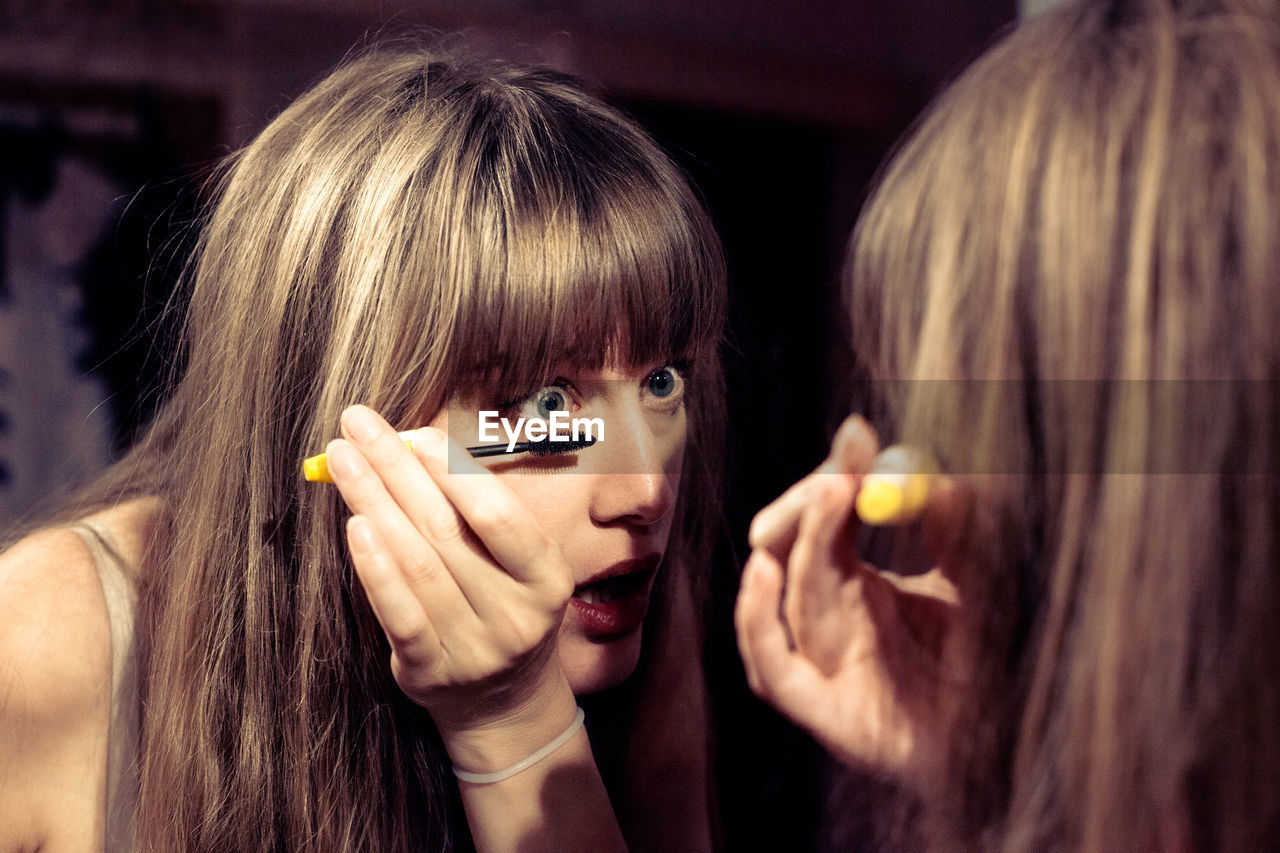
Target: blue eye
[
  {"x": 664, "y": 382},
  {"x": 550, "y": 399}
]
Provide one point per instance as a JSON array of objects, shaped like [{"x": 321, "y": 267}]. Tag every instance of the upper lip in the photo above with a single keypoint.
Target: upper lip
[{"x": 648, "y": 563}]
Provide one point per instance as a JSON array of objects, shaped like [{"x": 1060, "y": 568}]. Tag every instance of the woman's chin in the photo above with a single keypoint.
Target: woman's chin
[{"x": 592, "y": 665}]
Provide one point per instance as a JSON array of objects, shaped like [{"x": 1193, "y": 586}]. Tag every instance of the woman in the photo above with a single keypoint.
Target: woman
[
  {"x": 1072, "y": 263},
  {"x": 428, "y": 239}
]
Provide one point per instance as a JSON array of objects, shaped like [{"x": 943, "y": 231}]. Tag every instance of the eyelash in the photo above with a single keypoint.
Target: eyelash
[
  {"x": 559, "y": 382},
  {"x": 682, "y": 367}
]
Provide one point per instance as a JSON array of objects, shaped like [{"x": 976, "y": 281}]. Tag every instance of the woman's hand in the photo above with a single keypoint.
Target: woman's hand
[
  {"x": 468, "y": 588},
  {"x": 855, "y": 655},
  {"x": 471, "y": 592}
]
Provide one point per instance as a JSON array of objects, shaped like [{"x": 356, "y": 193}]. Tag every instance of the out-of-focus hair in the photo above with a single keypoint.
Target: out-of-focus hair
[{"x": 1066, "y": 286}]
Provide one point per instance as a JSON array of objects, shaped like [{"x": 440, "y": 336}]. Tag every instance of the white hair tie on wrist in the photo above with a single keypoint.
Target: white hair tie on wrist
[{"x": 524, "y": 763}]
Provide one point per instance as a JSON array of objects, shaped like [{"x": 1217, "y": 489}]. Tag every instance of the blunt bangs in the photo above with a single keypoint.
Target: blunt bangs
[
  {"x": 628, "y": 286},
  {"x": 571, "y": 240}
]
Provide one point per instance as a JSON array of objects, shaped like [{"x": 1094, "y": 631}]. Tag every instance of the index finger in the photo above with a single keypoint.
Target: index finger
[{"x": 853, "y": 449}]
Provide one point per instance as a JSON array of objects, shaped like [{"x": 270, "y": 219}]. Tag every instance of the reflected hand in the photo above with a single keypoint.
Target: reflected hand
[{"x": 855, "y": 655}]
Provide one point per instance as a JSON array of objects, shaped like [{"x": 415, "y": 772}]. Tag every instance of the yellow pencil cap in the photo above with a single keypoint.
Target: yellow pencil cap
[
  {"x": 897, "y": 488},
  {"x": 315, "y": 469}
]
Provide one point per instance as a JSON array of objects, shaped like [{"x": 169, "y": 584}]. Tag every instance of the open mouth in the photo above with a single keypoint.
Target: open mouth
[
  {"x": 614, "y": 606},
  {"x": 610, "y": 589}
]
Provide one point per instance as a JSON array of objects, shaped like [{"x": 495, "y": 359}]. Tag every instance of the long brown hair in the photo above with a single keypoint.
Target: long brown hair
[
  {"x": 1066, "y": 283},
  {"x": 410, "y": 228}
]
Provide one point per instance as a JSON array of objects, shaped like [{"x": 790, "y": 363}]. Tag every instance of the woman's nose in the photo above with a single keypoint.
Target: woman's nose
[{"x": 637, "y": 474}]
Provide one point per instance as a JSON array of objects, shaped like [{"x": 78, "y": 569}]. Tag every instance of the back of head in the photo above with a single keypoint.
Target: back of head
[{"x": 1065, "y": 287}]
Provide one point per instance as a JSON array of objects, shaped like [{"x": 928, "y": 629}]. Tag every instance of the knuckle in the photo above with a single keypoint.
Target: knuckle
[
  {"x": 363, "y": 491},
  {"x": 406, "y": 673},
  {"x": 768, "y": 524},
  {"x": 388, "y": 453},
  {"x": 408, "y": 647},
  {"x": 442, "y": 522},
  {"x": 493, "y": 660},
  {"x": 559, "y": 587},
  {"x": 833, "y": 490},
  {"x": 493, "y": 515},
  {"x": 523, "y": 636},
  {"x": 422, "y": 568},
  {"x": 413, "y": 671}
]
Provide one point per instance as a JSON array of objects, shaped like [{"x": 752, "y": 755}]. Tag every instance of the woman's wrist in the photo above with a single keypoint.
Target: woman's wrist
[
  {"x": 504, "y": 739},
  {"x": 489, "y": 777}
]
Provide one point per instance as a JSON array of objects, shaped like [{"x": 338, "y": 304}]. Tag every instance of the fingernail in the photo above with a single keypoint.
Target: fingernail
[
  {"x": 361, "y": 423},
  {"x": 342, "y": 460}
]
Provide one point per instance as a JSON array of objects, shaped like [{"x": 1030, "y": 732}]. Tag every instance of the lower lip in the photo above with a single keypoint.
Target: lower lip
[{"x": 611, "y": 620}]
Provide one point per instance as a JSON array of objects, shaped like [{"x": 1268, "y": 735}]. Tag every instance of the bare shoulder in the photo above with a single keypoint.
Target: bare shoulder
[
  {"x": 55, "y": 679},
  {"x": 54, "y": 630},
  {"x": 54, "y": 633}
]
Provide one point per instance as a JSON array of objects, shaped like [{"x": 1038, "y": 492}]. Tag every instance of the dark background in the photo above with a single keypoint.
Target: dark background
[{"x": 780, "y": 111}]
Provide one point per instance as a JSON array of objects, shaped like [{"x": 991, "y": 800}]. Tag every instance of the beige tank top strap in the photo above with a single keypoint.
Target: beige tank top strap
[{"x": 122, "y": 745}]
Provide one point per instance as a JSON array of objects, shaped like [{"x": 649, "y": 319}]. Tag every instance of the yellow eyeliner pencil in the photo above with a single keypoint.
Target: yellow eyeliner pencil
[{"x": 896, "y": 490}]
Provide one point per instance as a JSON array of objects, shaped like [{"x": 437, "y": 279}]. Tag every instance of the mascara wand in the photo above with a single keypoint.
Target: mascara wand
[{"x": 315, "y": 469}]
